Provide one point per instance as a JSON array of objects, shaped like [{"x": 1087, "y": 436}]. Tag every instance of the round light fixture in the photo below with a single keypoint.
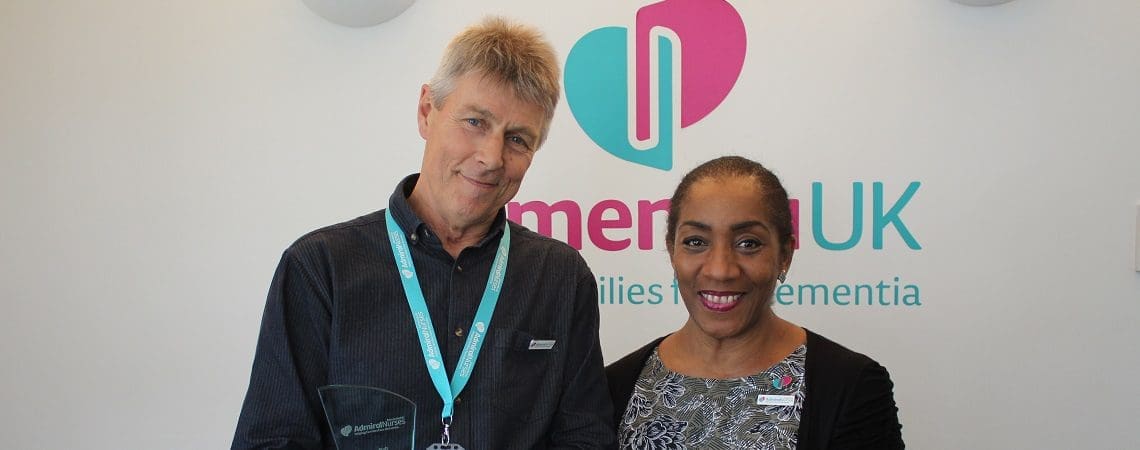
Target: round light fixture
[{"x": 358, "y": 13}]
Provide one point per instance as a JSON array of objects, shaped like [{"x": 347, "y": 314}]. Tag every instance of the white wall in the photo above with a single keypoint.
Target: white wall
[{"x": 156, "y": 157}]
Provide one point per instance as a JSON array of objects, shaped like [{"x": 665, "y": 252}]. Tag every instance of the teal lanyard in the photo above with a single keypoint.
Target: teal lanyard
[{"x": 424, "y": 329}]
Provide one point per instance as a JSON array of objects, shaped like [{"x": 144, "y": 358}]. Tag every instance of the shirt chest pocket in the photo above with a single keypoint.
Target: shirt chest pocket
[{"x": 523, "y": 378}]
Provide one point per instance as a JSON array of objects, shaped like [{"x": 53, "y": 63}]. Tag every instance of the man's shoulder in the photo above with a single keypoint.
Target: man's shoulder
[
  {"x": 342, "y": 236},
  {"x": 537, "y": 244}
]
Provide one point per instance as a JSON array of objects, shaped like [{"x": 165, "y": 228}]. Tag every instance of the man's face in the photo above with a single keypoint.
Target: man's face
[{"x": 479, "y": 146}]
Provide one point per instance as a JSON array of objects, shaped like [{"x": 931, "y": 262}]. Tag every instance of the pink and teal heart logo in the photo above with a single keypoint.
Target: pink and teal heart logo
[{"x": 687, "y": 55}]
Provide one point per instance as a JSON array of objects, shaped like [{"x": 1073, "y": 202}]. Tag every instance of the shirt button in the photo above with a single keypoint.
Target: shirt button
[
  {"x": 414, "y": 238},
  {"x": 459, "y": 267},
  {"x": 458, "y": 400},
  {"x": 459, "y": 332}
]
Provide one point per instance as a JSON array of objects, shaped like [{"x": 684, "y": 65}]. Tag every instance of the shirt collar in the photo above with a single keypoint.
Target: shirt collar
[{"x": 408, "y": 220}]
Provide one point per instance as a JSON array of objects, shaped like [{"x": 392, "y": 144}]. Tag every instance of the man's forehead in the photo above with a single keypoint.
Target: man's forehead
[{"x": 480, "y": 111}]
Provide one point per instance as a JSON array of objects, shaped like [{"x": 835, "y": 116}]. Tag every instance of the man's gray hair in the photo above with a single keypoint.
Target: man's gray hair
[{"x": 513, "y": 54}]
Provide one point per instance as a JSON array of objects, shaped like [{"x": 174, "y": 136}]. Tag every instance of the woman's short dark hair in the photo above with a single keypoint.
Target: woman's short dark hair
[{"x": 774, "y": 197}]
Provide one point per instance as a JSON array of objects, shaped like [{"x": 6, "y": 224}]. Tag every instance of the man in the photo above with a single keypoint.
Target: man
[{"x": 340, "y": 309}]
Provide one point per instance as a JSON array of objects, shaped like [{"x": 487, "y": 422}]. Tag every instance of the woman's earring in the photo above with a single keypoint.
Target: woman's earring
[{"x": 783, "y": 276}]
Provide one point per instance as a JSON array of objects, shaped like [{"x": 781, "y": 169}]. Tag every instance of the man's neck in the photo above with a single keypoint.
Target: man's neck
[
  {"x": 454, "y": 240},
  {"x": 454, "y": 237}
]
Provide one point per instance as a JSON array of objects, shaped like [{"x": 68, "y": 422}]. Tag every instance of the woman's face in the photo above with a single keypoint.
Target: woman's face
[{"x": 727, "y": 255}]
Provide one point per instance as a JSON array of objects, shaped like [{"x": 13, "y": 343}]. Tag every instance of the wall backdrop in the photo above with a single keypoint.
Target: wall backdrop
[{"x": 966, "y": 181}]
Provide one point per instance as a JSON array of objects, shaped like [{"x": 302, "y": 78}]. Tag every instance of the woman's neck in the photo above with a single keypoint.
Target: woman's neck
[{"x": 691, "y": 352}]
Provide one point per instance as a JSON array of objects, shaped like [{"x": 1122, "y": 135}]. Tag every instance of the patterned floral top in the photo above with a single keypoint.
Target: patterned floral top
[{"x": 670, "y": 411}]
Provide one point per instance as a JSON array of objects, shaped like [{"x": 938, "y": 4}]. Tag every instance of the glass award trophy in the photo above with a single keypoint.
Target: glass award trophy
[{"x": 367, "y": 418}]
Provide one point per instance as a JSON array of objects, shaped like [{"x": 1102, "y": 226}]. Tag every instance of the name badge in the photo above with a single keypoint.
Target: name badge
[
  {"x": 538, "y": 344},
  {"x": 776, "y": 400}
]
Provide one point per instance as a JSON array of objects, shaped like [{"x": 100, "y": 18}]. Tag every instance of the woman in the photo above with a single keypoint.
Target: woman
[{"x": 735, "y": 375}]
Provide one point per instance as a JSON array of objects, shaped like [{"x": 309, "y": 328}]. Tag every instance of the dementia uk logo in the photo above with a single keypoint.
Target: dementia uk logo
[
  {"x": 631, "y": 90},
  {"x": 687, "y": 55}
]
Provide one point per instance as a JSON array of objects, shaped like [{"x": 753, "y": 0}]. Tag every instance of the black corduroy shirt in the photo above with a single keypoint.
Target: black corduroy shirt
[{"x": 336, "y": 314}]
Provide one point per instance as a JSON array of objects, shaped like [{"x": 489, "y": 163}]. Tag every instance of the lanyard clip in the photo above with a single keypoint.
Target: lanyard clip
[{"x": 446, "y": 438}]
